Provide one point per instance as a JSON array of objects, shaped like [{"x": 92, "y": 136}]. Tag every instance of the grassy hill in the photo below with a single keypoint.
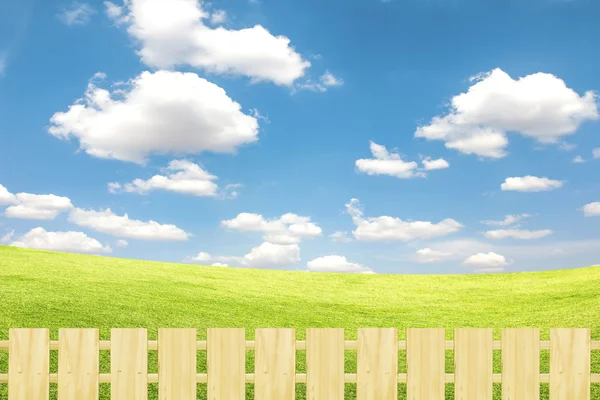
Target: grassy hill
[{"x": 54, "y": 290}]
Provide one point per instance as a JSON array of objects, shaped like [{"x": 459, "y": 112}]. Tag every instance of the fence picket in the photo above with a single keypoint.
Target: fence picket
[
  {"x": 78, "y": 363},
  {"x": 226, "y": 363},
  {"x": 275, "y": 364},
  {"x": 29, "y": 364},
  {"x": 377, "y": 364},
  {"x": 425, "y": 360},
  {"x": 129, "y": 364},
  {"x": 473, "y": 362},
  {"x": 325, "y": 364},
  {"x": 520, "y": 363},
  {"x": 177, "y": 364},
  {"x": 570, "y": 363}
]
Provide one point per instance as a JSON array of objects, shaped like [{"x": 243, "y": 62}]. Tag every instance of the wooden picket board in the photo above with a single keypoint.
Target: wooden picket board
[
  {"x": 377, "y": 364},
  {"x": 177, "y": 363},
  {"x": 570, "y": 350},
  {"x": 520, "y": 363},
  {"x": 78, "y": 363},
  {"x": 473, "y": 364},
  {"x": 325, "y": 364},
  {"x": 226, "y": 363},
  {"x": 128, "y": 364},
  {"x": 29, "y": 364},
  {"x": 275, "y": 364},
  {"x": 425, "y": 361}
]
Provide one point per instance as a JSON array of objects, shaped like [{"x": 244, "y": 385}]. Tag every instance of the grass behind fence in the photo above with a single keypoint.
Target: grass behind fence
[{"x": 58, "y": 290}]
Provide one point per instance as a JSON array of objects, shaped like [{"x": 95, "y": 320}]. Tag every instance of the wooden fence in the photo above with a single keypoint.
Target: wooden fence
[{"x": 274, "y": 376}]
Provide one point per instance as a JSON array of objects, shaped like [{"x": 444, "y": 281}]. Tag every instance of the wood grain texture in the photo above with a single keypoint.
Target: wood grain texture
[
  {"x": 177, "y": 363},
  {"x": 377, "y": 364},
  {"x": 226, "y": 363},
  {"x": 29, "y": 364},
  {"x": 78, "y": 364},
  {"x": 129, "y": 364},
  {"x": 425, "y": 360},
  {"x": 275, "y": 364},
  {"x": 325, "y": 364},
  {"x": 570, "y": 364},
  {"x": 520, "y": 363},
  {"x": 473, "y": 363}
]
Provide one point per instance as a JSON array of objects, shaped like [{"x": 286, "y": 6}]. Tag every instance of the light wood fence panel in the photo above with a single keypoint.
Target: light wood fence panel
[{"x": 29, "y": 364}]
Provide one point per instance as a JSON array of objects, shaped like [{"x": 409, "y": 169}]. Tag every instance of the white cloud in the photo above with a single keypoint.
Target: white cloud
[
  {"x": 6, "y": 238},
  {"x": 217, "y": 264},
  {"x": 113, "y": 11},
  {"x": 530, "y": 184},
  {"x": 517, "y": 234},
  {"x": 287, "y": 229},
  {"x": 76, "y": 14},
  {"x": 592, "y": 209},
  {"x": 6, "y": 197},
  {"x": 38, "y": 206},
  {"x": 218, "y": 17},
  {"x": 508, "y": 220},
  {"x": 596, "y": 152},
  {"x": 173, "y": 33},
  {"x": 386, "y": 229},
  {"x": 201, "y": 257},
  {"x": 77, "y": 242},
  {"x": 340, "y": 237},
  {"x": 335, "y": 264},
  {"x": 428, "y": 255},
  {"x": 121, "y": 226},
  {"x": 122, "y": 243},
  {"x": 385, "y": 163},
  {"x": 326, "y": 81},
  {"x": 157, "y": 113},
  {"x": 578, "y": 160},
  {"x": 271, "y": 255},
  {"x": 185, "y": 177},
  {"x": 539, "y": 106},
  {"x": 267, "y": 255},
  {"x": 430, "y": 164},
  {"x": 489, "y": 260}
]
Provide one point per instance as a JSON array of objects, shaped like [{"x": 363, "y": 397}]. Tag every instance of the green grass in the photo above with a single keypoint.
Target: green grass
[{"x": 59, "y": 290}]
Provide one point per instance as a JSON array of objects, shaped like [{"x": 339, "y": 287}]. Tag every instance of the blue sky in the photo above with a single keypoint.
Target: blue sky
[{"x": 405, "y": 136}]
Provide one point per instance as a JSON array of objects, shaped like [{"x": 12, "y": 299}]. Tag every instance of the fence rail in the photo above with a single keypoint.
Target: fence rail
[{"x": 275, "y": 376}]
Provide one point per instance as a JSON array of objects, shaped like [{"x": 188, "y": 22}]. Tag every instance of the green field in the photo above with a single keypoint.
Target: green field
[{"x": 54, "y": 290}]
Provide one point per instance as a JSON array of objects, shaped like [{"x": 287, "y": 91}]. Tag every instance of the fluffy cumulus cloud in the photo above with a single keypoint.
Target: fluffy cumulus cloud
[
  {"x": 33, "y": 206},
  {"x": 387, "y": 229},
  {"x": 266, "y": 255},
  {"x": 172, "y": 33},
  {"x": 508, "y": 220},
  {"x": 486, "y": 260},
  {"x": 156, "y": 113},
  {"x": 336, "y": 264},
  {"x": 182, "y": 176},
  {"x": 578, "y": 160},
  {"x": 76, "y": 242},
  {"x": 596, "y": 152},
  {"x": 272, "y": 255},
  {"x": 76, "y": 14},
  {"x": 122, "y": 243},
  {"x": 6, "y": 197},
  {"x": 539, "y": 106},
  {"x": 530, "y": 184},
  {"x": 287, "y": 229},
  {"x": 386, "y": 163},
  {"x": 106, "y": 221},
  {"x": 430, "y": 164},
  {"x": 592, "y": 209},
  {"x": 517, "y": 234},
  {"x": 428, "y": 255}
]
